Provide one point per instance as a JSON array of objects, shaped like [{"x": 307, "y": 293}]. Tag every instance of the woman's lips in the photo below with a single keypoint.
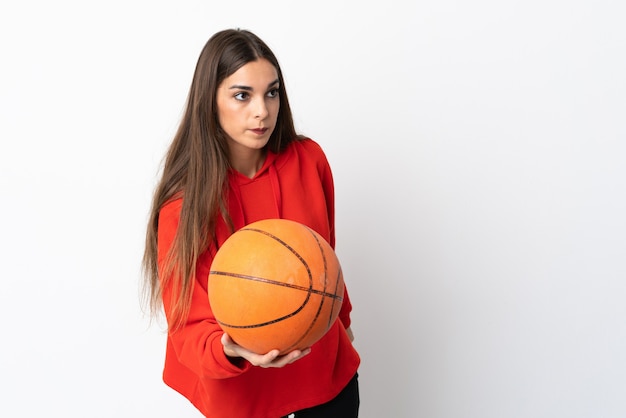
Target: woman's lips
[{"x": 259, "y": 131}]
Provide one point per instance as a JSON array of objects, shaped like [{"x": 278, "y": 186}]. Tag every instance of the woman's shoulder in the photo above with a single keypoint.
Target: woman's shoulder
[
  {"x": 308, "y": 147},
  {"x": 172, "y": 206},
  {"x": 304, "y": 152},
  {"x": 308, "y": 144}
]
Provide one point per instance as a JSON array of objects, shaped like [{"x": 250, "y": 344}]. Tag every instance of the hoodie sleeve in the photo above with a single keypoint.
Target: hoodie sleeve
[
  {"x": 197, "y": 344},
  {"x": 328, "y": 184}
]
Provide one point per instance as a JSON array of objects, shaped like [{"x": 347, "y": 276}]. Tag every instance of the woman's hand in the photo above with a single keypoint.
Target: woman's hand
[{"x": 271, "y": 359}]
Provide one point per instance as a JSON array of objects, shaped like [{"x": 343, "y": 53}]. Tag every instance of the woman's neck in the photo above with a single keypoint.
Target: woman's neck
[{"x": 248, "y": 163}]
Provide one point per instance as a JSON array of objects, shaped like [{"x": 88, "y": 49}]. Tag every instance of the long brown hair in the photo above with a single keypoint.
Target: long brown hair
[{"x": 196, "y": 168}]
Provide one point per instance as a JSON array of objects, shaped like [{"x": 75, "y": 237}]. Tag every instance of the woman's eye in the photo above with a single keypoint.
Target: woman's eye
[
  {"x": 273, "y": 93},
  {"x": 241, "y": 95}
]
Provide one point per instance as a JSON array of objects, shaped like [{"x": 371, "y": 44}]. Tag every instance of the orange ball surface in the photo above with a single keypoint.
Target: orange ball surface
[{"x": 275, "y": 284}]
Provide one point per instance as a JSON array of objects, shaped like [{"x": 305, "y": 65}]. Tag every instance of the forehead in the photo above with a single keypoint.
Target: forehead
[{"x": 257, "y": 73}]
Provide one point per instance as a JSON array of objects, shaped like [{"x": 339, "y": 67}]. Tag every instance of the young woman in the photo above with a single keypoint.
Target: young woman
[{"x": 236, "y": 159}]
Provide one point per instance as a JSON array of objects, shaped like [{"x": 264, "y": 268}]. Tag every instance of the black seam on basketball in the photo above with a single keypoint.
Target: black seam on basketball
[
  {"x": 324, "y": 294},
  {"x": 302, "y": 260},
  {"x": 331, "y": 295},
  {"x": 321, "y": 305},
  {"x": 332, "y": 310},
  {"x": 276, "y": 283},
  {"x": 259, "y": 279}
]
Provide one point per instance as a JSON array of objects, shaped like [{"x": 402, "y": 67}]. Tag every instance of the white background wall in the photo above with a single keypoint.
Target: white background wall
[{"x": 480, "y": 165}]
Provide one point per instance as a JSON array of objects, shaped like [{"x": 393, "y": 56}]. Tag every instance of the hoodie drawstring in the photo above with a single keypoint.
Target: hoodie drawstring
[
  {"x": 237, "y": 213},
  {"x": 276, "y": 191}
]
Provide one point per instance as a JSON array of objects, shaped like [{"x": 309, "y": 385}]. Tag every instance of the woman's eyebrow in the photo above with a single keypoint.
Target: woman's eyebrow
[{"x": 248, "y": 88}]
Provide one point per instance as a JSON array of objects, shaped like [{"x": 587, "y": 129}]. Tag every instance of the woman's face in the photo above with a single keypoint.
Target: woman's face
[{"x": 247, "y": 106}]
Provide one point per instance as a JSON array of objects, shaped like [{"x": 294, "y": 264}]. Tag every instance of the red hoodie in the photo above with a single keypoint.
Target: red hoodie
[{"x": 296, "y": 184}]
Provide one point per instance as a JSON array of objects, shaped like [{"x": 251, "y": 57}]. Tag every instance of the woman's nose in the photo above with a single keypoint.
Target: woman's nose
[{"x": 260, "y": 110}]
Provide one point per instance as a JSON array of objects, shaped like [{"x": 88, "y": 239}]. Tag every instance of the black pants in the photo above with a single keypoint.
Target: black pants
[{"x": 344, "y": 405}]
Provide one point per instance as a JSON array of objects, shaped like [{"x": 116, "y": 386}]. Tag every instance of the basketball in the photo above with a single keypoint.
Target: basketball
[{"x": 275, "y": 284}]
